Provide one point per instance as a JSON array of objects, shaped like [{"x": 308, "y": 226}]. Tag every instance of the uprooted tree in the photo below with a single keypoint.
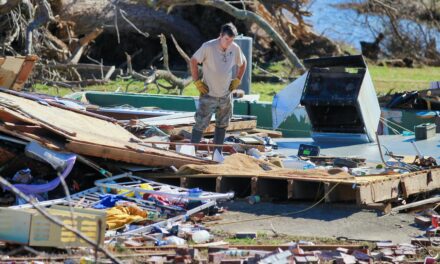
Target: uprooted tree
[{"x": 126, "y": 33}]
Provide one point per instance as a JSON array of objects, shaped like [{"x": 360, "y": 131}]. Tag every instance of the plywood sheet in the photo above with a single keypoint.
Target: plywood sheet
[
  {"x": 77, "y": 127},
  {"x": 9, "y": 70}
]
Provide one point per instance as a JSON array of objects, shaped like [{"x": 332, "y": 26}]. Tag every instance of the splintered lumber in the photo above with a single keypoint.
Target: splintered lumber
[
  {"x": 185, "y": 122},
  {"x": 234, "y": 125},
  {"x": 416, "y": 204},
  {"x": 82, "y": 134}
]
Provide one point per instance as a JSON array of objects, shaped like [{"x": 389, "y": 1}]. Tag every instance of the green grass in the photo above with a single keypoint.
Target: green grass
[
  {"x": 269, "y": 238},
  {"x": 385, "y": 79}
]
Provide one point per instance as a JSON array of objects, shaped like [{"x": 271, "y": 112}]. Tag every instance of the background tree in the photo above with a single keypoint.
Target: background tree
[{"x": 411, "y": 28}]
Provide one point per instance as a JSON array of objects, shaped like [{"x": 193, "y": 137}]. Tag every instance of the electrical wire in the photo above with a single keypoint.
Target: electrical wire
[
  {"x": 284, "y": 214},
  {"x": 395, "y": 131},
  {"x": 396, "y": 124}
]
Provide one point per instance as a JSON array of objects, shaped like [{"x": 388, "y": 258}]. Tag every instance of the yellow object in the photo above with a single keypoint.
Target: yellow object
[
  {"x": 144, "y": 186},
  {"x": 234, "y": 84},
  {"x": 276, "y": 161},
  {"x": 87, "y": 260},
  {"x": 201, "y": 86},
  {"x": 120, "y": 215}
]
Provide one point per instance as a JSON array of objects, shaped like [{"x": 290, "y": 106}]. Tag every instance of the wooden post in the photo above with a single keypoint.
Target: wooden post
[
  {"x": 290, "y": 189},
  {"x": 218, "y": 184},
  {"x": 183, "y": 182},
  {"x": 254, "y": 186}
]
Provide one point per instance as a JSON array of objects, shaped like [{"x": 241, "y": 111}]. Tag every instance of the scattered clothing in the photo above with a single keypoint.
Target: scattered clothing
[
  {"x": 121, "y": 215},
  {"x": 108, "y": 201}
]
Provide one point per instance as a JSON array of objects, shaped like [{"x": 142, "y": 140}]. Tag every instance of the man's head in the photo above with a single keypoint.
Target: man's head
[{"x": 227, "y": 34}]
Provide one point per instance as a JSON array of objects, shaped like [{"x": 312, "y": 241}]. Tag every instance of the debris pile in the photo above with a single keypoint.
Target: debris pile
[{"x": 57, "y": 164}]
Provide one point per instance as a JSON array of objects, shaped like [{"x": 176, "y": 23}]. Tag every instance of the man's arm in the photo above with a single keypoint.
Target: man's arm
[
  {"x": 194, "y": 69},
  {"x": 241, "y": 70}
]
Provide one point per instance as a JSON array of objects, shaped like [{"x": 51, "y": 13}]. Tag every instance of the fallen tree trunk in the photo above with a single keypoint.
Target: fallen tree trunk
[
  {"x": 243, "y": 15},
  {"x": 87, "y": 15}
]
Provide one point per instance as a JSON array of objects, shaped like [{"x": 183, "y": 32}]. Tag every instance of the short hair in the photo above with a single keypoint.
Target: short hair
[{"x": 229, "y": 29}]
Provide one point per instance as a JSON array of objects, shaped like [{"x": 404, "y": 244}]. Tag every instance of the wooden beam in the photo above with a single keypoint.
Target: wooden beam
[
  {"x": 290, "y": 189},
  {"x": 422, "y": 181},
  {"x": 23, "y": 128},
  {"x": 254, "y": 185},
  {"x": 130, "y": 156},
  {"x": 378, "y": 191},
  {"x": 218, "y": 184},
  {"x": 184, "y": 182},
  {"x": 327, "y": 193},
  {"x": 241, "y": 125},
  {"x": 416, "y": 204}
]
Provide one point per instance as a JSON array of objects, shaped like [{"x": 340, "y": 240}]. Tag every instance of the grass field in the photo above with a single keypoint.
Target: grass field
[{"x": 385, "y": 79}]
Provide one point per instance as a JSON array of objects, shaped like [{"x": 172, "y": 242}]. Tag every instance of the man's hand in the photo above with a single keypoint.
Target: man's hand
[
  {"x": 234, "y": 84},
  {"x": 201, "y": 86}
]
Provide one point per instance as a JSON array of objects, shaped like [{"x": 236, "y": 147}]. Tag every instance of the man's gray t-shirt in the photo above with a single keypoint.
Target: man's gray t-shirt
[{"x": 218, "y": 64}]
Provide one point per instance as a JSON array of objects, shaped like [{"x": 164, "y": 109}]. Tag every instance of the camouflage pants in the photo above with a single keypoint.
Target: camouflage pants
[{"x": 221, "y": 106}]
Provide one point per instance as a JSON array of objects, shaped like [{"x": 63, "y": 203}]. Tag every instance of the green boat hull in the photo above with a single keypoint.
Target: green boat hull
[{"x": 297, "y": 125}]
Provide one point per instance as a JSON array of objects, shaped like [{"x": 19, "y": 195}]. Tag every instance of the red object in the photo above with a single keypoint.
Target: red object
[
  {"x": 430, "y": 260},
  {"x": 434, "y": 220}
]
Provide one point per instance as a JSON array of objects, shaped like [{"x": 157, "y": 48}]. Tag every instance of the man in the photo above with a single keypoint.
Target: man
[{"x": 218, "y": 57}]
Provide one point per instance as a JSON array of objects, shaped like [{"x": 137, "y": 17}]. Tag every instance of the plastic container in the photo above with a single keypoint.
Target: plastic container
[
  {"x": 253, "y": 199},
  {"x": 298, "y": 164},
  {"x": 425, "y": 131},
  {"x": 173, "y": 240},
  {"x": 201, "y": 236},
  {"x": 195, "y": 192}
]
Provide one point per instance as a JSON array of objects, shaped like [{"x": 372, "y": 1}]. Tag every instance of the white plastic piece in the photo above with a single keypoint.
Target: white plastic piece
[
  {"x": 201, "y": 236},
  {"x": 217, "y": 156},
  {"x": 186, "y": 149}
]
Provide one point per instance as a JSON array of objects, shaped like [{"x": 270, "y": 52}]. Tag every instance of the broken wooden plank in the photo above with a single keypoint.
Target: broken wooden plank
[
  {"x": 416, "y": 204},
  {"x": 23, "y": 128},
  {"x": 79, "y": 66},
  {"x": 52, "y": 103},
  {"x": 106, "y": 138},
  {"x": 7, "y": 115},
  {"x": 25, "y": 72},
  {"x": 131, "y": 156},
  {"x": 242, "y": 125}
]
